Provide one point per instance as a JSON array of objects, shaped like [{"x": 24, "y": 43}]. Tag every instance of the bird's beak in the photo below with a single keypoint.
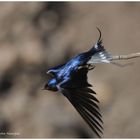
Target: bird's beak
[{"x": 46, "y": 87}]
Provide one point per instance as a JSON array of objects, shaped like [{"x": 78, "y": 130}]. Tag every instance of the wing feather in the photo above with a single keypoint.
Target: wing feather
[
  {"x": 91, "y": 108},
  {"x": 86, "y": 104},
  {"x": 92, "y": 119},
  {"x": 87, "y": 95},
  {"x": 86, "y": 89},
  {"x": 92, "y": 125}
]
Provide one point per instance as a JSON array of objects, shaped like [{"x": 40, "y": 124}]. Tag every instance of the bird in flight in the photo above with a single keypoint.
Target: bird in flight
[{"x": 71, "y": 80}]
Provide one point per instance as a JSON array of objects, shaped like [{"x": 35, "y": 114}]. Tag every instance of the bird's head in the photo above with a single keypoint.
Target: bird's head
[{"x": 51, "y": 85}]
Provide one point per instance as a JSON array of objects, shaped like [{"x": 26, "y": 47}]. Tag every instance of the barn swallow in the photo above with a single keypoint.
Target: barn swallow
[{"x": 71, "y": 80}]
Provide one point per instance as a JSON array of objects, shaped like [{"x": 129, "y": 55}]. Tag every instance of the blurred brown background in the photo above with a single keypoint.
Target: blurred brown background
[{"x": 35, "y": 36}]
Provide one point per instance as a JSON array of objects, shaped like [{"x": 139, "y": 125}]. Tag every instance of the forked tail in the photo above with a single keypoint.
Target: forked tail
[
  {"x": 98, "y": 52},
  {"x": 100, "y": 55}
]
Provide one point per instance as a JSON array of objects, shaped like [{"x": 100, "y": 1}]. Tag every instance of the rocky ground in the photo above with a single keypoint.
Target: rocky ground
[{"x": 37, "y": 35}]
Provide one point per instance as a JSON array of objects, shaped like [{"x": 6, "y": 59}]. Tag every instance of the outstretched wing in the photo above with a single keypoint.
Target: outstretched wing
[
  {"x": 77, "y": 90},
  {"x": 86, "y": 104}
]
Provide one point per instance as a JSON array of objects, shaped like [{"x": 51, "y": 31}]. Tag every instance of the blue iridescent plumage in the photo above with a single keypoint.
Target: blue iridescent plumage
[{"x": 71, "y": 80}]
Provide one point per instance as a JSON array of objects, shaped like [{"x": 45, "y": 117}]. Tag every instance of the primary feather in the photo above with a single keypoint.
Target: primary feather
[{"x": 88, "y": 111}]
